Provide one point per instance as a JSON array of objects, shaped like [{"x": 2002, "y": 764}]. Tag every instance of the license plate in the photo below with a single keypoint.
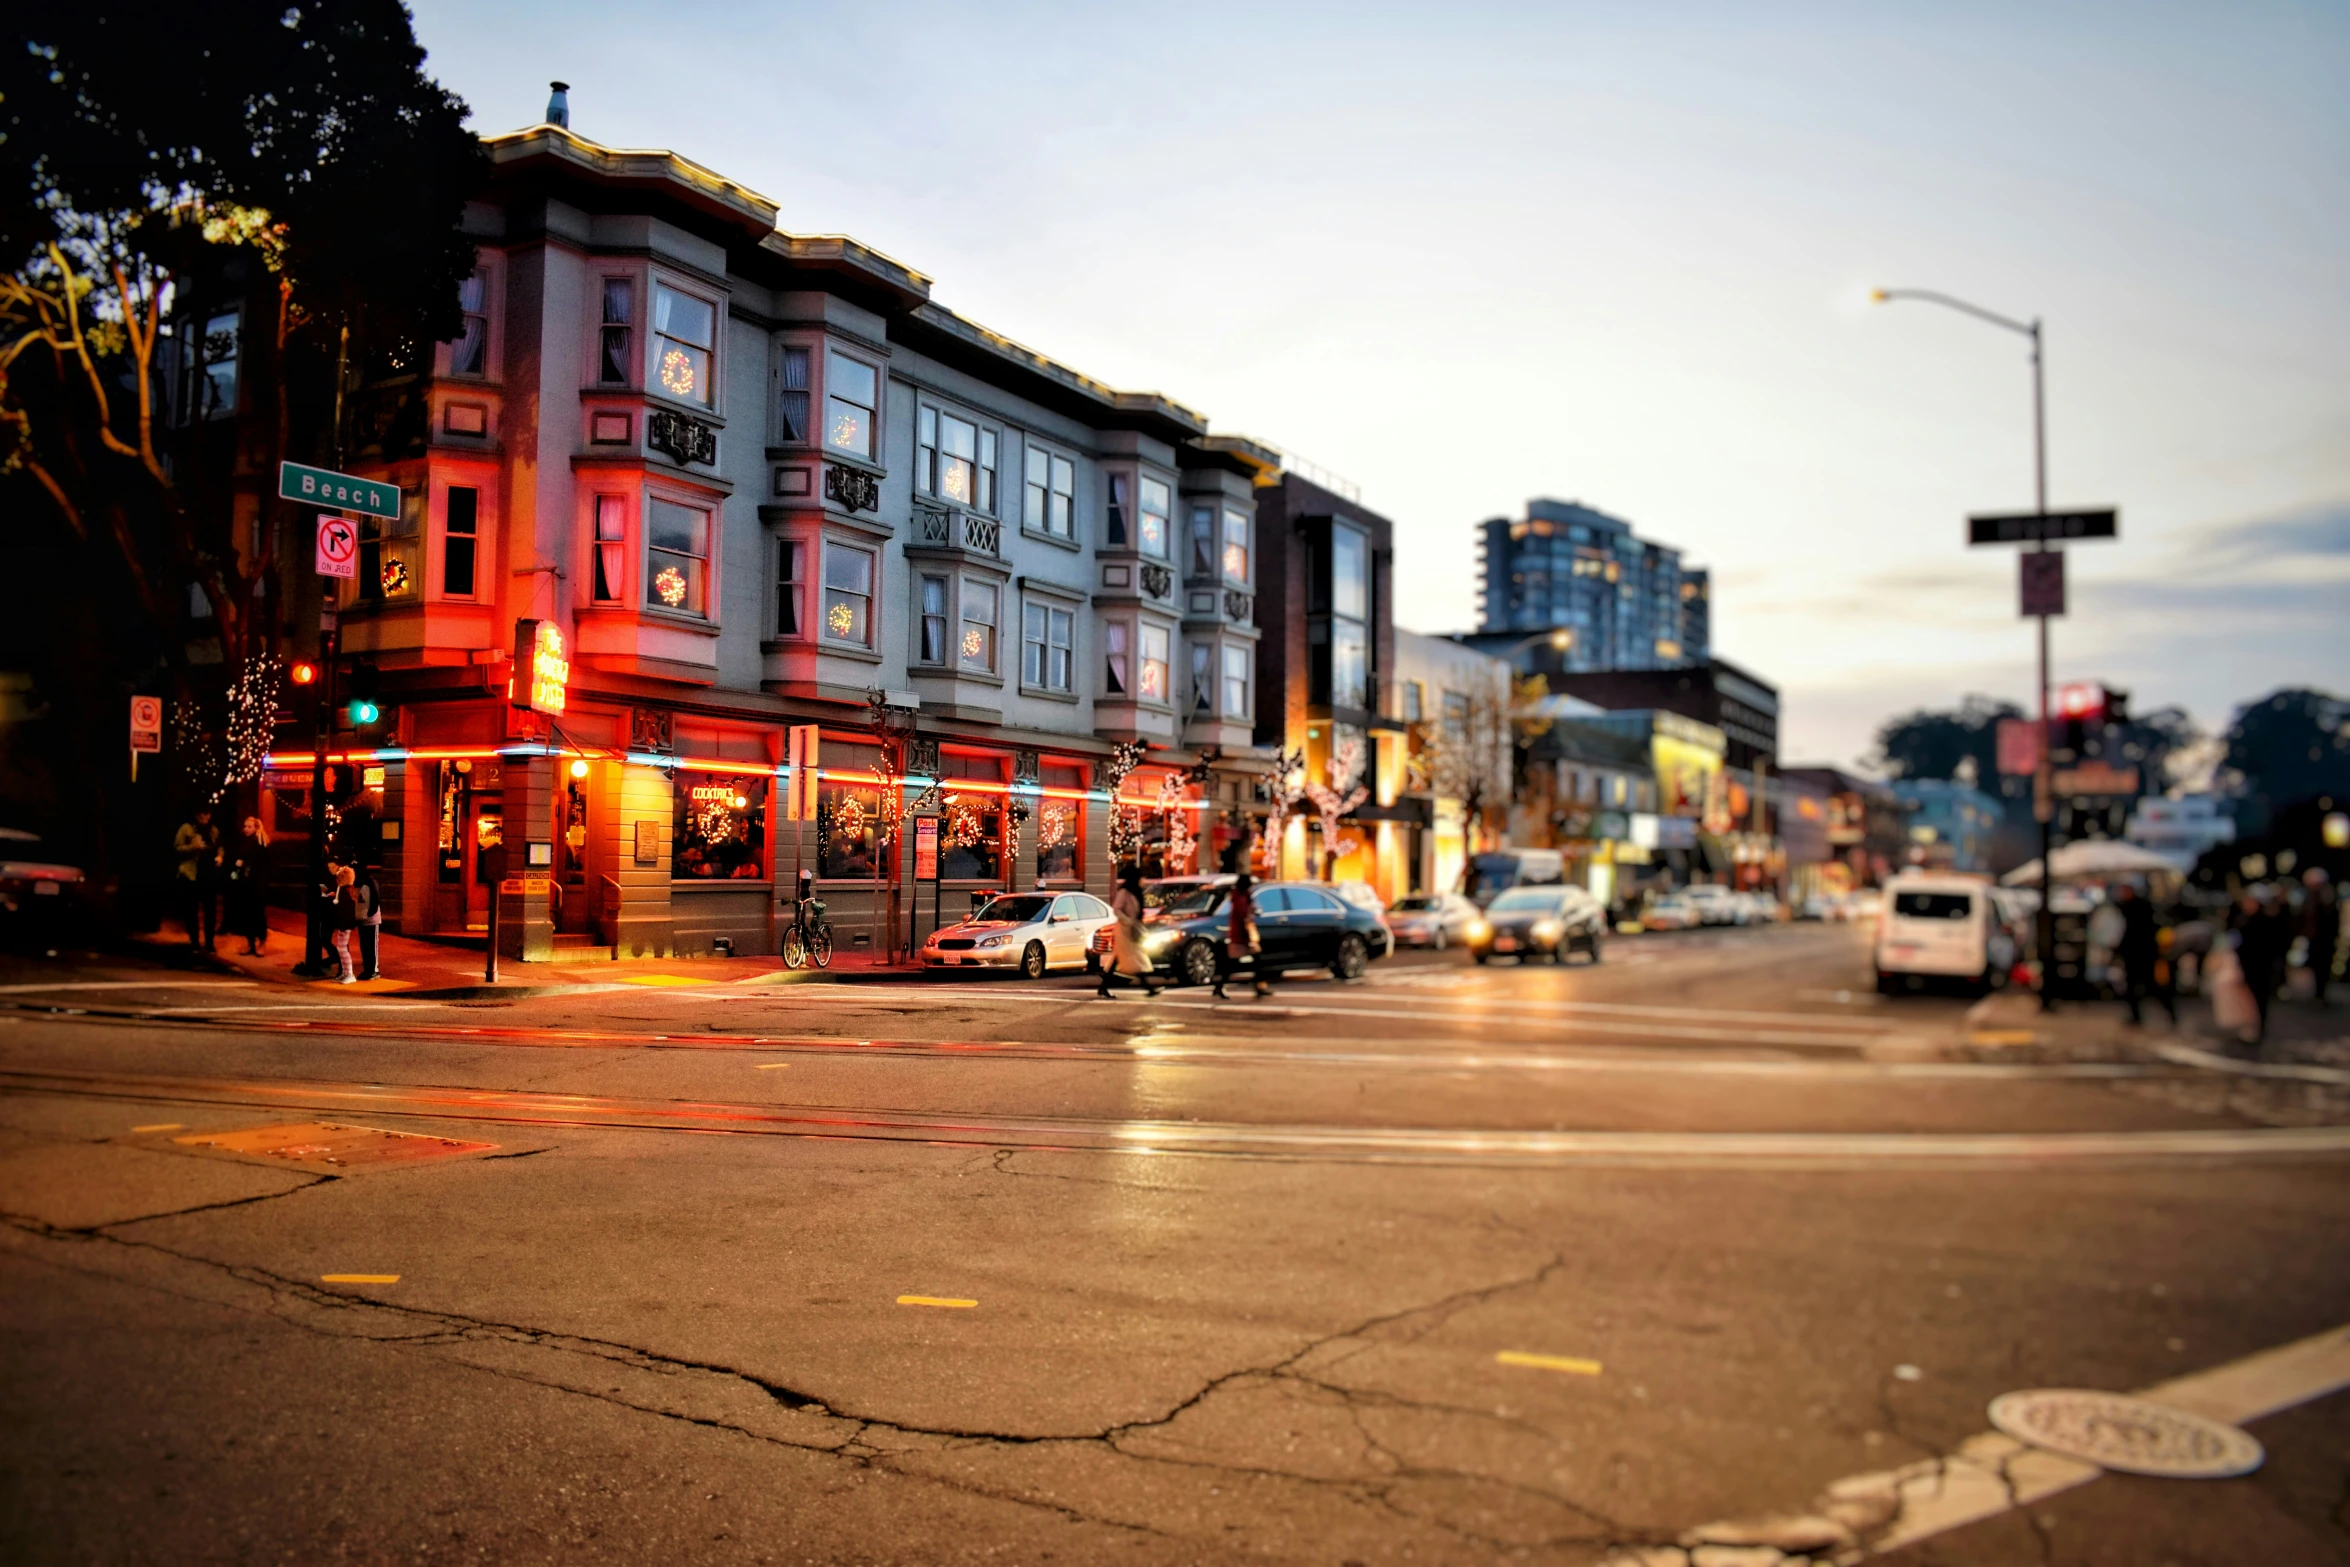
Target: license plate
[
  {"x": 44, "y": 889},
  {"x": 1504, "y": 944}
]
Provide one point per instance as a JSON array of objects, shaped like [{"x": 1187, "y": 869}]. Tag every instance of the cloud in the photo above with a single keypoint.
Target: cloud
[{"x": 2296, "y": 536}]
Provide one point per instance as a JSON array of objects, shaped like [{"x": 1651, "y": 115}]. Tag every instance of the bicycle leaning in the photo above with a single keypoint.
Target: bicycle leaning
[{"x": 807, "y": 939}]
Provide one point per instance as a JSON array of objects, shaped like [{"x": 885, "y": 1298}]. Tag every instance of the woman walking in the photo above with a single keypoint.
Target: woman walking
[
  {"x": 1127, "y": 957},
  {"x": 246, "y": 905},
  {"x": 1240, "y": 938}
]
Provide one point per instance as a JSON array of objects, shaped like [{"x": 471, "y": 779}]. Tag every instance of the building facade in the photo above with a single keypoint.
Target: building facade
[
  {"x": 1454, "y": 704},
  {"x": 708, "y": 481},
  {"x": 1951, "y": 825},
  {"x": 1627, "y": 603}
]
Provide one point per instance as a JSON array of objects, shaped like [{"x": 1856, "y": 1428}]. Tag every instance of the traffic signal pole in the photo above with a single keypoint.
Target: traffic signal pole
[
  {"x": 313, "y": 915},
  {"x": 2043, "y": 792}
]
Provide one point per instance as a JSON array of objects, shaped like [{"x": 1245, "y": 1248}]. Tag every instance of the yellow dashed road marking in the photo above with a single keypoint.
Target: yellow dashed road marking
[
  {"x": 934, "y": 1300},
  {"x": 160, "y": 1126},
  {"x": 1567, "y": 1363},
  {"x": 358, "y": 1278}
]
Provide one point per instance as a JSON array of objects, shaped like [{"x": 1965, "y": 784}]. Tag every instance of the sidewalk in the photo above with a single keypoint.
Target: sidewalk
[{"x": 449, "y": 970}]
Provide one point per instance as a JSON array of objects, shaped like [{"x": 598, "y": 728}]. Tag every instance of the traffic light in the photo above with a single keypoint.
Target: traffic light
[
  {"x": 364, "y": 683},
  {"x": 303, "y": 673},
  {"x": 363, "y": 712},
  {"x": 2079, "y": 705},
  {"x": 2117, "y": 706}
]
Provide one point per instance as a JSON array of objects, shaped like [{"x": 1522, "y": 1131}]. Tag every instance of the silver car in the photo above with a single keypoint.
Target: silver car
[
  {"x": 1030, "y": 931},
  {"x": 1432, "y": 919}
]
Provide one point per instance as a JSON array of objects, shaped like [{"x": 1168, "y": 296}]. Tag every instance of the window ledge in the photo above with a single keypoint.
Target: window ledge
[
  {"x": 1045, "y": 694},
  {"x": 1056, "y": 540},
  {"x": 863, "y": 655},
  {"x": 662, "y": 617},
  {"x": 708, "y": 416},
  {"x": 848, "y": 460}
]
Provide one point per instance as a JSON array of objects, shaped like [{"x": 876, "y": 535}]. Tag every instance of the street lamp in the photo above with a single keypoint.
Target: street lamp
[{"x": 2042, "y": 805}]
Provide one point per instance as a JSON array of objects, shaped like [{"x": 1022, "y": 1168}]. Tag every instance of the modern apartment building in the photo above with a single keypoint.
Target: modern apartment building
[
  {"x": 1624, "y": 602},
  {"x": 715, "y": 480}
]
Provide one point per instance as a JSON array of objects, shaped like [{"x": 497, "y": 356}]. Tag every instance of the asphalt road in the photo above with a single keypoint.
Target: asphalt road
[{"x": 1550, "y": 1263}]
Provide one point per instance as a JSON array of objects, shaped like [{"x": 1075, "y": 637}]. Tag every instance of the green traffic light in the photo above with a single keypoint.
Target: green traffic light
[{"x": 364, "y": 712}]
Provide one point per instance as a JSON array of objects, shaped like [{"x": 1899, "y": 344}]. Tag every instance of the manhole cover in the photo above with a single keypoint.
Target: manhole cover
[{"x": 2128, "y": 1434}]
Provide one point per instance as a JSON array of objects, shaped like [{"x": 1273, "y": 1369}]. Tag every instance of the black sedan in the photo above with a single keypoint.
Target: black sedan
[
  {"x": 1531, "y": 922},
  {"x": 1300, "y": 924}
]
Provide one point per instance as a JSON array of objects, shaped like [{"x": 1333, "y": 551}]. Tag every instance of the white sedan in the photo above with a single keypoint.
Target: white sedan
[{"x": 1031, "y": 931}]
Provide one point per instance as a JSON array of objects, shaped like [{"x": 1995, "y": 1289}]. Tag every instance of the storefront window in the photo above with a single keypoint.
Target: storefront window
[
  {"x": 1060, "y": 823},
  {"x": 720, "y": 833},
  {"x": 848, "y": 819},
  {"x": 971, "y": 837}
]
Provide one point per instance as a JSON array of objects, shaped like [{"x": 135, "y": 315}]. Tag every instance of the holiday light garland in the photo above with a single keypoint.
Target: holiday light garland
[
  {"x": 1125, "y": 821},
  {"x": 669, "y": 582},
  {"x": 252, "y": 715},
  {"x": 677, "y": 372}
]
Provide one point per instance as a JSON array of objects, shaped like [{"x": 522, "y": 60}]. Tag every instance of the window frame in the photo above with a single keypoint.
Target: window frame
[
  {"x": 1143, "y": 662},
  {"x": 1236, "y": 519},
  {"x": 874, "y": 414},
  {"x": 608, "y": 553},
  {"x": 1047, "y": 492},
  {"x": 632, "y": 347},
  {"x": 487, "y": 315},
  {"x": 785, "y": 348},
  {"x": 472, "y": 538},
  {"x": 1051, "y": 612},
  {"x": 1144, "y": 485},
  {"x": 713, "y": 520},
  {"x": 1203, "y": 538},
  {"x": 930, "y": 456},
  {"x": 653, "y": 336},
  {"x": 833, "y": 547},
  {"x": 992, "y": 594},
  {"x": 791, "y": 587},
  {"x": 1247, "y": 677},
  {"x": 924, "y": 617}
]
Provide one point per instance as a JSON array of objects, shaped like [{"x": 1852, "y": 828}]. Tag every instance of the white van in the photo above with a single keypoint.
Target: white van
[{"x": 1940, "y": 928}]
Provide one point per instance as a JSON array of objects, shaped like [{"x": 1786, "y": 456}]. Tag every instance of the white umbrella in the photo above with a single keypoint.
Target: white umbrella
[{"x": 2092, "y": 858}]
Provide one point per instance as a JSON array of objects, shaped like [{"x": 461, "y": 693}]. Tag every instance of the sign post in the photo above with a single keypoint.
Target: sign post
[
  {"x": 2040, "y": 585},
  {"x": 146, "y": 730},
  {"x": 925, "y": 870}
]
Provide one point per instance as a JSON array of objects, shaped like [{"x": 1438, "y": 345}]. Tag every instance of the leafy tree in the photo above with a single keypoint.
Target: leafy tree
[
  {"x": 2289, "y": 747},
  {"x": 290, "y": 158},
  {"x": 1931, "y": 744}
]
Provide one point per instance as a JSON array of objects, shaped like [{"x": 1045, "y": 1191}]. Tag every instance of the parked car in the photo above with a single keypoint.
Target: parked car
[
  {"x": 1715, "y": 904},
  {"x": 1940, "y": 928},
  {"x": 1673, "y": 911},
  {"x": 1299, "y": 925},
  {"x": 1362, "y": 895},
  {"x": 1531, "y": 922},
  {"x": 1032, "y": 931},
  {"x": 1493, "y": 874},
  {"x": 1156, "y": 895},
  {"x": 39, "y": 894},
  {"x": 1823, "y": 906},
  {"x": 1431, "y": 920},
  {"x": 1757, "y": 908}
]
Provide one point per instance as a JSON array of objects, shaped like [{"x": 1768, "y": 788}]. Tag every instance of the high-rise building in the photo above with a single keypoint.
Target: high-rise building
[{"x": 1564, "y": 566}]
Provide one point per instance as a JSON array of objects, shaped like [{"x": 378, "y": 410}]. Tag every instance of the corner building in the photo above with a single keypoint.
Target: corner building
[{"x": 754, "y": 480}]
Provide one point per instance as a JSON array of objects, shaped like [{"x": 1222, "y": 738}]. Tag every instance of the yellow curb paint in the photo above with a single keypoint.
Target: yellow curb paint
[
  {"x": 2001, "y": 1036},
  {"x": 661, "y": 979},
  {"x": 1568, "y": 1363},
  {"x": 935, "y": 1300},
  {"x": 770, "y": 1066},
  {"x": 358, "y": 1278},
  {"x": 160, "y": 1126}
]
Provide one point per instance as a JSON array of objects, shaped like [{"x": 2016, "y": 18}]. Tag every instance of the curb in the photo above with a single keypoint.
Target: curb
[{"x": 501, "y": 992}]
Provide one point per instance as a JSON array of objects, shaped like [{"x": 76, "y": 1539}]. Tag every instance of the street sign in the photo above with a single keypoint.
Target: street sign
[
  {"x": 926, "y": 848},
  {"x": 2095, "y": 777},
  {"x": 2026, "y": 527},
  {"x": 542, "y": 669},
  {"x": 338, "y": 546},
  {"x": 2041, "y": 575},
  {"x": 147, "y": 724},
  {"x": 325, "y": 487},
  {"x": 800, "y": 751}
]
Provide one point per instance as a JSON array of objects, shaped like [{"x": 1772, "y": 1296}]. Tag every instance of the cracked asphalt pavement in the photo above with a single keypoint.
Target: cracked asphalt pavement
[{"x": 1552, "y": 1264}]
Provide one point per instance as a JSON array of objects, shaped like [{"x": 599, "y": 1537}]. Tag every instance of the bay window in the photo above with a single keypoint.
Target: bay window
[
  {"x": 934, "y": 621},
  {"x": 1203, "y": 543},
  {"x": 677, "y": 557},
  {"x": 1155, "y": 644},
  {"x": 460, "y": 527},
  {"x": 791, "y": 584},
  {"x": 1203, "y": 679},
  {"x": 1044, "y": 646},
  {"x": 608, "y": 568},
  {"x": 852, "y": 395},
  {"x": 1114, "y": 654},
  {"x": 469, "y": 352},
  {"x": 977, "y": 645},
  {"x": 1236, "y": 680},
  {"x": 954, "y": 459},
  {"x": 685, "y": 333},
  {"x": 1120, "y": 504},
  {"x": 1236, "y": 548},
  {"x": 848, "y": 594},
  {"x": 614, "y": 364},
  {"x": 791, "y": 398},
  {"x": 1157, "y": 532}
]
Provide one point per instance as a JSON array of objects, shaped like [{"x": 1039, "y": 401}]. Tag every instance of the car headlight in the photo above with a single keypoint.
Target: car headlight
[
  {"x": 995, "y": 941},
  {"x": 1161, "y": 940},
  {"x": 1479, "y": 930},
  {"x": 1546, "y": 930}
]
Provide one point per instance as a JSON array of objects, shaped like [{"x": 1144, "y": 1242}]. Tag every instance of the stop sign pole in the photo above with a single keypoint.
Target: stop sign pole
[{"x": 2037, "y": 527}]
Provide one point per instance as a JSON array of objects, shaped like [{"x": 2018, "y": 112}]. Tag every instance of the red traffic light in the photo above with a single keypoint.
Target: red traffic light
[
  {"x": 303, "y": 673},
  {"x": 2084, "y": 700}
]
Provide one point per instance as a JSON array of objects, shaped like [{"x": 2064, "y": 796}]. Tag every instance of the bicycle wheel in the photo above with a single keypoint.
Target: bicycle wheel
[
  {"x": 795, "y": 950},
  {"x": 820, "y": 946}
]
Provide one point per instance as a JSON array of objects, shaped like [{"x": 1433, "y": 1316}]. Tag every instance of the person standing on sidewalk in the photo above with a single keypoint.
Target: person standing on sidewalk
[
  {"x": 343, "y": 918},
  {"x": 2139, "y": 951},
  {"x": 2321, "y": 927},
  {"x": 2263, "y": 933},
  {"x": 245, "y": 887},
  {"x": 1128, "y": 960},
  {"x": 197, "y": 844},
  {"x": 1241, "y": 946},
  {"x": 368, "y": 893}
]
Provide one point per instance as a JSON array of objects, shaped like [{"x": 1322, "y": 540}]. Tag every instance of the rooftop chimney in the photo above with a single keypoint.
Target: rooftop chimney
[{"x": 559, "y": 104}]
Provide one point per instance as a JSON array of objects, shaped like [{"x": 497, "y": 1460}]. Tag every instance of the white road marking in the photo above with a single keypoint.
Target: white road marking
[
  {"x": 136, "y": 984},
  {"x": 2188, "y": 1055},
  {"x": 1991, "y": 1473}
]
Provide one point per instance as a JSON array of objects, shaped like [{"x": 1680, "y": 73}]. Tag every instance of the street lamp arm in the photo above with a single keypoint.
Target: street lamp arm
[{"x": 1886, "y": 296}]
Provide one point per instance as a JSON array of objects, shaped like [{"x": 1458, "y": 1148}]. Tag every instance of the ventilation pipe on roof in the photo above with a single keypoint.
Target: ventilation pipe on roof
[{"x": 559, "y": 104}]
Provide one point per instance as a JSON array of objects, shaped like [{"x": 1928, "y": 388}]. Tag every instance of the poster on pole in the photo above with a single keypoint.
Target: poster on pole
[
  {"x": 2041, "y": 573},
  {"x": 147, "y": 724},
  {"x": 338, "y": 546},
  {"x": 2019, "y": 746},
  {"x": 926, "y": 848}
]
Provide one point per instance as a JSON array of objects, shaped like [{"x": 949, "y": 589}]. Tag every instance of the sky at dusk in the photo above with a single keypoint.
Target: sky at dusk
[{"x": 1464, "y": 255}]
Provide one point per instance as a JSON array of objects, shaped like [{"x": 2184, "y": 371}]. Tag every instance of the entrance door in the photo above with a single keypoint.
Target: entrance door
[{"x": 575, "y": 907}]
